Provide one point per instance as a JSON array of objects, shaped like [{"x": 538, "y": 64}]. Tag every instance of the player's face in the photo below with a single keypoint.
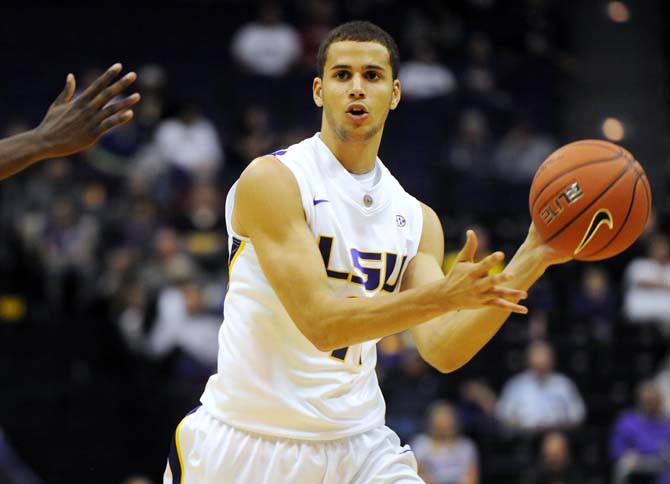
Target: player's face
[{"x": 357, "y": 90}]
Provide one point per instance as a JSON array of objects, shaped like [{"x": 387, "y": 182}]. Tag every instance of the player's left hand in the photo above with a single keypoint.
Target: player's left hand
[
  {"x": 71, "y": 126},
  {"x": 549, "y": 255}
]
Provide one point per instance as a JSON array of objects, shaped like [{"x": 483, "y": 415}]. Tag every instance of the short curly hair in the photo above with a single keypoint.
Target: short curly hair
[{"x": 359, "y": 31}]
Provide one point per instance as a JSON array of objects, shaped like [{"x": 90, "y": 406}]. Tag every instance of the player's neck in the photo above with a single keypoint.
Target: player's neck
[{"x": 355, "y": 156}]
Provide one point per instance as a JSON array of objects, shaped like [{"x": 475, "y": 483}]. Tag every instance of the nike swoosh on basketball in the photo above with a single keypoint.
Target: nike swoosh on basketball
[
  {"x": 320, "y": 200},
  {"x": 602, "y": 216}
]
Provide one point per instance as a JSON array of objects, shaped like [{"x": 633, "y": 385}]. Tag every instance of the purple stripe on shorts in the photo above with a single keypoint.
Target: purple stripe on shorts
[{"x": 173, "y": 456}]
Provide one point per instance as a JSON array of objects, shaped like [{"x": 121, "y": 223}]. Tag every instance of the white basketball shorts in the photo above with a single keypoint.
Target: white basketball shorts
[{"x": 207, "y": 451}]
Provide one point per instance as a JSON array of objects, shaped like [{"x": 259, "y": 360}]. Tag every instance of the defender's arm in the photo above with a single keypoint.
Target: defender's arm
[{"x": 71, "y": 126}]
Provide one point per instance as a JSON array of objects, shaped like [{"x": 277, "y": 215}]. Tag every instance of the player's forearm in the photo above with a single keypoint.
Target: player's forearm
[
  {"x": 451, "y": 340},
  {"x": 19, "y": 152},
  {"x": 332, "y": 323}
]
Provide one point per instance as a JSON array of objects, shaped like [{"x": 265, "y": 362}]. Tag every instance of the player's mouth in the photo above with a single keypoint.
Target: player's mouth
[{"x": 357, "y": 112}]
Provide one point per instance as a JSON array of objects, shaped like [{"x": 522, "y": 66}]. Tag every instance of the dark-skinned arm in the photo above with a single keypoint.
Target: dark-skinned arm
[{"x": 70, "y": 126}]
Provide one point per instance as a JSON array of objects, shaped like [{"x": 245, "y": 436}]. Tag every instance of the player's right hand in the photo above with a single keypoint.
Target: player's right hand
[
  {"x": 468, "y": 284},
  {"x": 70, "y": 125}
]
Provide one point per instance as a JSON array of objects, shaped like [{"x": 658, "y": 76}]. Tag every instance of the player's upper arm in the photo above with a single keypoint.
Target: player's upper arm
[
  {"x": 426, "y": 266},
  {"x": 269, "y": 211}
]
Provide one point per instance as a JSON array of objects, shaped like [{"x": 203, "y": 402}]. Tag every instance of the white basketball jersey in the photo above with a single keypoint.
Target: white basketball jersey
[{"x": 271, "y": 380}]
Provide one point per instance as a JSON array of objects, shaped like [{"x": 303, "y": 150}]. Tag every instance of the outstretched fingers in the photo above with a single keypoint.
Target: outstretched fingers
[
  {"x": 112, "y": 91},
  {"x": 508, "y": 293},
  {"x": 486, "y": 282},
  {"x": 488, "y": 263},
  {"x": 508, "y": 306},
  {"x": 67, "y": 92},
  {"x": 112, "y": 109},
  {"x": 116, "y": 120},
  {"x": 100, "y": 83},
  {"x": 467, "y": 253}
]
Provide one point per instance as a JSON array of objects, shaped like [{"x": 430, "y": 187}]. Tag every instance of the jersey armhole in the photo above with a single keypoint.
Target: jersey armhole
[{"x": 230, "y": 202}]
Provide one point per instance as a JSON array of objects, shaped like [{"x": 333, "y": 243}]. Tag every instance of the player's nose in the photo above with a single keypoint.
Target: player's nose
[{"x": 356, "y": 91}]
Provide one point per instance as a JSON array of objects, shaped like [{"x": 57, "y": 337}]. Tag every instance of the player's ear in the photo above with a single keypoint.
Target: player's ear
[
  {"x": 316, "y": 92},
  {"x": 395, "y": 99}
]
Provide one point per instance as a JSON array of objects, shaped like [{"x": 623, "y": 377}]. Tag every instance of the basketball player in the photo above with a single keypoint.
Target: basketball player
[
  {"x": 71, "y": 126},
  {"x": 328, "y": 254}
]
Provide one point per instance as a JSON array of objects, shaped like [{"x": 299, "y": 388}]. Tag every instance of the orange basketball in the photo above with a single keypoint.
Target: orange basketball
[{"x": 590, "y": 199}]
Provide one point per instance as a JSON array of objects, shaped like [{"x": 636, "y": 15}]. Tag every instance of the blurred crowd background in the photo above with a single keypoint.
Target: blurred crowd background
[{"x": 113, "y": 263}]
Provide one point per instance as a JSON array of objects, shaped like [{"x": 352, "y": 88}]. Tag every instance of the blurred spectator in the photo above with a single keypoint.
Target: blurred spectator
[
  {"x": 134, "y": 313},
  {"x": 466, "y": 164},
  {"x": 515, "y": 161},
  {"x": 476, "y": 408},
  {"x": 68, "y": 246},
  {"x": 640, "y": 442},
  {"x": 436, "y": 23},
  {"x": 255, "y": 136},
  {"x": 594, "y": 302},
  {"x": 445, "y": 456},
  {"x": 389, "y": 354},
  {"x": 184, "y": 323},
  {"x": 141, "y": 222},
  {"x": 202, "y": 226},
  {"x": 119, "y": 262},
  {"x": 555, "y": 464},
  {"x": 168, "y": 261},
  {"x": 423, "y": 76},
  {"x": 320, "y": 20},
  {"x": 151, "y": 82},
  {"x": 267, "y": 46},
  {"x": 190, "y": 142},
  {"x": 647, "y": 290},
  {"x": 409, "y": 389},
  {"x": 520, "y": 153},
  {"x": 48, "y": 181},
  {"x": 478, "y": 76},
  {"x": 540, "y": 398},
  {"x": 472, "y": 149},
  {"x": 663, "y": 382}
]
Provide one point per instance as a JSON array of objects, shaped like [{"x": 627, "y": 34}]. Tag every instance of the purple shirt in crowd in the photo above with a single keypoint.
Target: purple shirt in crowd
[{"x": 634, "y": 431}]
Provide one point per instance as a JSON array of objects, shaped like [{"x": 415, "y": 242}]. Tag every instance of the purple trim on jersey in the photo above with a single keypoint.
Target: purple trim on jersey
[
  {"x": 340, "y": 353},
  {"x": 173, "y": 456},
  {"x": 233, "y": 250},
  {"x": 173, "y": 462},
  {"x": 279, "y": 152}
]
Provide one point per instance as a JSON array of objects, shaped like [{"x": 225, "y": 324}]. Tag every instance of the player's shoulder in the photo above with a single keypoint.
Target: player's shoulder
[{"x": 266, "y": 174}]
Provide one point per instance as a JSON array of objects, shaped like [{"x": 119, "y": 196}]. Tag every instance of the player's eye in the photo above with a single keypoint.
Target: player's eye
[
  {"x": 371, "y": 76},
  {"x": 342, "y": 75}
]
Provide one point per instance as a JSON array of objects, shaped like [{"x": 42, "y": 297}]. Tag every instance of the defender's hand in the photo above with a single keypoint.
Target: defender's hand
[
  {"x": 71, "y": 126},
  {"x": 469, "y": 286}
]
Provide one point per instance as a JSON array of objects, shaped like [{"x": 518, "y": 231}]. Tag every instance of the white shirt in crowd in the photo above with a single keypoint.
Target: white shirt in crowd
[
  {"x": 190, "y": 146},
  {"x": 268, "y": 50},
  {"x": 528, "y": 402},
  {"x": 444, "y": 463},
  {"x": 647, "y": 303},
  {"x": 423, "y": 80}
]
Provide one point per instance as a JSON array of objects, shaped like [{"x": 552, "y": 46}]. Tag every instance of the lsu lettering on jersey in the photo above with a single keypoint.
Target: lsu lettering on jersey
[{"x": 271, "y": 380}]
